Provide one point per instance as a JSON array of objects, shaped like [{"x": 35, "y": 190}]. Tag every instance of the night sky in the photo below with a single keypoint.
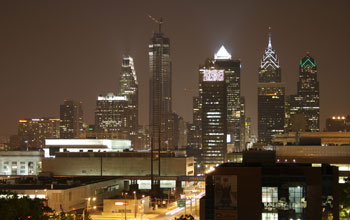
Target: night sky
[{"x": 53, "y": 50}]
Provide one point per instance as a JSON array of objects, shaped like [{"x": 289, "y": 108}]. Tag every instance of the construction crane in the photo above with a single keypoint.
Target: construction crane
[{"x": 159, "y": 22}]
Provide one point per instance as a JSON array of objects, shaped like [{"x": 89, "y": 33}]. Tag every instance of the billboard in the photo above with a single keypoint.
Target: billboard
[
  {"x": 225, "y": 200},
  {"x": 144, "y": 184},
  {"x": 167, "y": 183},
  {"x": 213, "y": 75}
]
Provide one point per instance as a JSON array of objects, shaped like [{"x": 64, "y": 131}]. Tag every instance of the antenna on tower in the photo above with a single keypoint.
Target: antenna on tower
[
  {"x": 270, "y": 44},
  {"x": 159, "y": 22}
]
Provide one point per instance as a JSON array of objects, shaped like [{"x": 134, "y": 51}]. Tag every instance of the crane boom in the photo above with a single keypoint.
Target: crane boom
[{"x": 159, "y": 22}]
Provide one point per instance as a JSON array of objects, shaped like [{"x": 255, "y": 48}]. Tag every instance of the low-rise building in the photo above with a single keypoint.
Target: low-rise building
[
  {"x": 117, "y": 164},
  {"x": 66, "y": 194},
  {"x": 20, "y": 162},
  {"x": 258, "y": 188}
]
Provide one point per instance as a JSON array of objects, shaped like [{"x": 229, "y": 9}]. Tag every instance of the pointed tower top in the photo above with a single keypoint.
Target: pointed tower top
[
  {"x": 270, "y": 44},
  {"x": 222, "y": 54}
]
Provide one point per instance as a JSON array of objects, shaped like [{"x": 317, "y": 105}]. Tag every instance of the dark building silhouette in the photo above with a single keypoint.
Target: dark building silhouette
[
  {"x": 259, "y": 188},
  {"x": 338, "y": 123},
  {"x": 271, "y": 97},
  {"x": 71, "y": 116},
  {"x": 160, "y": 120}
]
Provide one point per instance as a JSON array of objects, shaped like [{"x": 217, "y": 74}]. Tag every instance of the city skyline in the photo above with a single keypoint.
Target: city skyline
[{"x": 49, "y": 54}]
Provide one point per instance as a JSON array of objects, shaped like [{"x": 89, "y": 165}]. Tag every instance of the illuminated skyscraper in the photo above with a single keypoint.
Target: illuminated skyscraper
[
  {"x": 112, "y": 114},
  {"x": 129, "y": 88},
  {"x": 33, "y": 132},
  {"x": 219, "y": 89},
  {"x": 271, "y": 96},
  {"x": 160, "y": 91},
  {"x": 307, "y": 100},
  {"x": 71, "y": 115}
]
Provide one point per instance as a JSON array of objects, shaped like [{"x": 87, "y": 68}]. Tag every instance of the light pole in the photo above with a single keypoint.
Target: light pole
[
  {"x": 88, "y": 204},
  {"x": 135, "y": 205},
  {"x": 348, "y": 211},
  {"x": 125, "y": 194}
]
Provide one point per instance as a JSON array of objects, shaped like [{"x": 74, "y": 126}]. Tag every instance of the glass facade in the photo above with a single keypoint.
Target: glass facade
[
  {"x": 160, "y": 119},
  {"x": 284, "y": 197},
  {"x": 307, "y": 100}
]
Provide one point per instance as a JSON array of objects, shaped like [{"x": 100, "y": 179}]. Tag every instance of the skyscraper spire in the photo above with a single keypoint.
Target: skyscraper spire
[{"x": 270, "y": 44}]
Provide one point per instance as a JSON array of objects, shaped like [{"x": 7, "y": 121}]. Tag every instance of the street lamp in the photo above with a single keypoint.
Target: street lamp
[
  {"x": 348, "y": 211},
  {"x": 125, "y": 194},
  {"x": 135, "y": 205}
]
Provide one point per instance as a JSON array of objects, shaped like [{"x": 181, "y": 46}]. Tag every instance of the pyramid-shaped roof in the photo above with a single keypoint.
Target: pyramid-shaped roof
[{"x": 222, "y": 54}]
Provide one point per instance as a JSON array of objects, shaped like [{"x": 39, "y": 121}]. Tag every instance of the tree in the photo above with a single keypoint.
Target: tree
[
  {"x": 344, "y": 198},
  {"x": 14, "y": 207}
]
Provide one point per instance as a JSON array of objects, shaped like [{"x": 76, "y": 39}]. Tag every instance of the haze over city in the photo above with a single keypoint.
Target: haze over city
[{"x": 50, "y": 51}]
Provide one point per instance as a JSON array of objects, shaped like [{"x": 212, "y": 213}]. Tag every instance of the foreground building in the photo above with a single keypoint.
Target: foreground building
[
  {"x": 260, "y": 189},
  {"x": 20, "y": 163},
  {"x": 117, "y": 164},
  {"x": 271, "y": 97},
  {"x": 67, "y": 194}
]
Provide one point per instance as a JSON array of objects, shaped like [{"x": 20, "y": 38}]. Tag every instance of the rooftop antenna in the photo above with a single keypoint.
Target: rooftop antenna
[
  {"x": 157, "y": 21},
  {"x": 270, "y": 44}
]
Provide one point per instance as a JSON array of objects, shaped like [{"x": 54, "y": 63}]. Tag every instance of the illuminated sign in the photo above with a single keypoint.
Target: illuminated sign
[
  {"x": 144, "y": 184},
  {"x": 167, "y": 183},
  {"x": 213, "y": 75}
]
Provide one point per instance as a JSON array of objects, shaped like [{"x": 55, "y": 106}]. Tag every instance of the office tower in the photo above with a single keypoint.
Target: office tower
[
  {"x": 195, "y": 129},
  {"x": 338, "y": 124},
  {"x": 112, "y": 115},
  {"x": 214, "y": 114},
  {"x": 129, "y": 88},
  {"x": 271, "y": 100},
  {"x": 242, "y": 124},
  {"x": 307, "y": 100},
  {"x": 71, "y": 115},
  {"x": 33, "y": 132},
  {"x": 221, "y": 73},
  {"x": 180, "y": 131},
  {"x": 247, "y": 130},
  {"x": 160, "y": 91},
  {"x": 232, "y": 70}
]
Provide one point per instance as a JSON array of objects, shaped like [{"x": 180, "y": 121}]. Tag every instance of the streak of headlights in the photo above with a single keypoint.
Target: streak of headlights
[{"x": 174, "y": 211}]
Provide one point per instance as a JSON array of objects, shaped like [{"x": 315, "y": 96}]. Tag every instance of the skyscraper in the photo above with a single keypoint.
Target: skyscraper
[
  {"x": 219, "y": 90},
  {"x": 33, "y": 132},
  {"x": 160, "y": 91},
  {"x": 232, "y": 70},
  {"x": 71, "y": 116},
  {"x": 307, "y": 101},
  {"x": 214, "y": 114},
  {"x": 129, "y": 88},
  {"x": 112, "y": 115},
  {"x": 271, "y": 96}
]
